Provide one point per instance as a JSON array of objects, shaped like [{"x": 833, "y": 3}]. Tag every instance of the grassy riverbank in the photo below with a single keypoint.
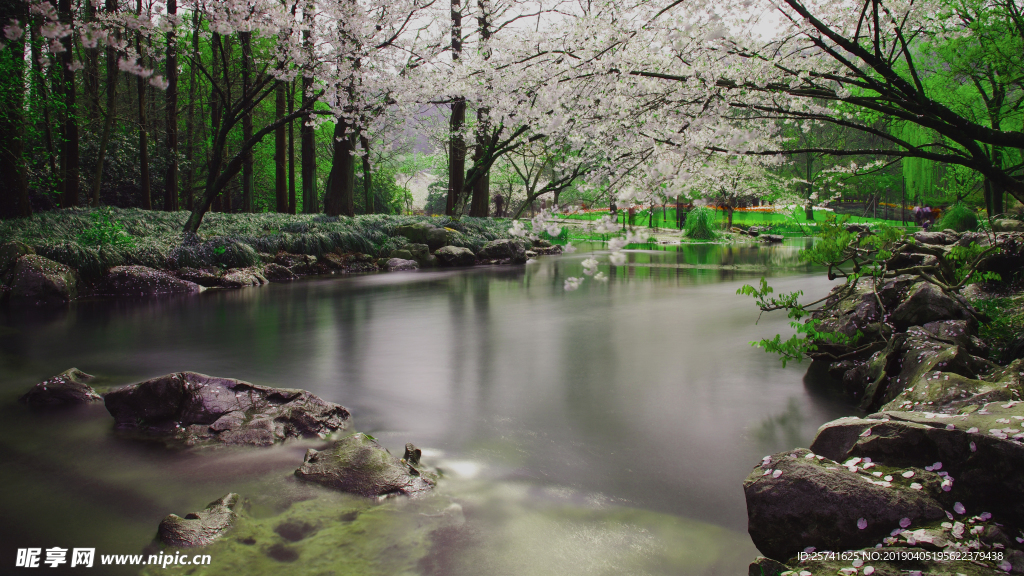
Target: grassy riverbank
[{"x": 94, "y": 240}]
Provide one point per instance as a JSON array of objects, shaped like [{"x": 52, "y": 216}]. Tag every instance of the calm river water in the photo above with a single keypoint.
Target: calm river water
[{"x": 601, "y": 431}]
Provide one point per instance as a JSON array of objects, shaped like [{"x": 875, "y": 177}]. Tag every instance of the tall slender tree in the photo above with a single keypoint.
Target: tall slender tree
[
  {"x": 280, "y": 176},
  {"x": 456, "y": 143},
  {"x": 140, "y": 83},
  {"x": 13, "y": 181},
  {"x": 110, "y": 114},
  {"x": 69, "y": 133},
  {"x": 171, "y": 178}
]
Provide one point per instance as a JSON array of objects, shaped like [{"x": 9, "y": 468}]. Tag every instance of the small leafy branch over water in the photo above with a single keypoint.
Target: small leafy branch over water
[{"x": 866, "y": 258}]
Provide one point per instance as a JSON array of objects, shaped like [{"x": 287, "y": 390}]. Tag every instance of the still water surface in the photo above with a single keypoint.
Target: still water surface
[{"x": 605, "y": 430}]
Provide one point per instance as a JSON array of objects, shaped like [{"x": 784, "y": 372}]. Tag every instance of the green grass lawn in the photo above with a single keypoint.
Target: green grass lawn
[{"x": 786, "y": 224}]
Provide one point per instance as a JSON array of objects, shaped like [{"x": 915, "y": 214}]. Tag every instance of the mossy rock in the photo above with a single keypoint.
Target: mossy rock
[{"x": 359, "y": 465}]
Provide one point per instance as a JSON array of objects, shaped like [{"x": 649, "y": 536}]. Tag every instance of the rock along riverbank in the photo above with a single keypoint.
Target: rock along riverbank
[
  {"x": 930, "y": 480},
  {"x": 45, "y": 262}
]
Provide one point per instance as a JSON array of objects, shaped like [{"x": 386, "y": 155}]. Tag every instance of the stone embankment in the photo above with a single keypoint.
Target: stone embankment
[
  {"x": 931, "y": 479},
  {"x": 27, "y": 278}
]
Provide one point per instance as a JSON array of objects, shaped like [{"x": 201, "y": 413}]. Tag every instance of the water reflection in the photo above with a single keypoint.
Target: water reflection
[{"x": 642, "y": 390}]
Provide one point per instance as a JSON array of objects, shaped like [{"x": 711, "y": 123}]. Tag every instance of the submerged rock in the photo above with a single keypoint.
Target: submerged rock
[
  {"x": 65, "y": 389},
  {"x": 358, "y": 464},
  {"x": 200, "y": 528},
  {"x": 196, "y": 408},
  {"x": 455, "y": 256},
  {"x": 37, "y": 280},
  {"x": 142, "y": 281}
]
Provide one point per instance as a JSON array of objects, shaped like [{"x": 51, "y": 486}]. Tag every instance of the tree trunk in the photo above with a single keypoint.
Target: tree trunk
[
  {"x": 291, "y": 150},
  {"x": 41, "y": 96},
  {"x": 481, "y": 199},
  {"x": 340, "y": 196},
  {"x": 280, "y": 175},
  {"x": 13, "y": 177},
  {"x": 147, "y": 199},
  {"x": 108, "y": 122},
  {"x": 248, "y": 204},
  {"x": 171, "y": 179},
  {"x": 809, "y": 208},
  {"x": 190, "y": 127},
  {"x": 216, "y": 110},
  {"x": 456, "y": 144},
  {"x": 91, "y": 73},
  {"x": 367, "y": 174},
  {"x": 306, "y": 133},
  {"x": 69, "y": 146}
]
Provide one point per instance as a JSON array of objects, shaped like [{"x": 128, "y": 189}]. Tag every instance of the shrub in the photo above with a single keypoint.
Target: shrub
[
  {"x": 105, "y": 231},
  {"x": 959, "y": 218},
  {"x": 701, "y": 223}
]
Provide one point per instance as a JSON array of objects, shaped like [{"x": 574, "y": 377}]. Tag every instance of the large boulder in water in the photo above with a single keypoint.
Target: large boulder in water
[
  {"x": 243, "y": 278},
  {"x": 197, "y": 409},
  {"x": 455, "y": 256},
  {"x": 200, "y": 528},
  {"x": 358, "y": 464},
  {"x": 142, "y": 281},
  {"x": 65, "y": 389},
  {"x": 398, "y": 264},
  {"x": 207, "y": 277},
  {"x": 277, "y": 273},
  {"x": 503, "y": 249},
  {"x": 795, "y": 500},
  {"x": 37, "y": 280}
]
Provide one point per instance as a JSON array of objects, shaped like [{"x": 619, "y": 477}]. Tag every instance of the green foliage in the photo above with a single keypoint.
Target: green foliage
[
  {"x": 959, "y": 218},
  {"x": 701, "y": 223},
  {"x": 1006, "y": 326},
  {"x": 795, "y": 347},
  {"x": 964, "y": 260},
  {"x": 105, "y": 230}
]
